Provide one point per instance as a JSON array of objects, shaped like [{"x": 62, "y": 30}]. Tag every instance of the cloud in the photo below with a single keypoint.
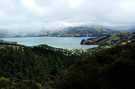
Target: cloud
[{"x": 35, "y": 15}]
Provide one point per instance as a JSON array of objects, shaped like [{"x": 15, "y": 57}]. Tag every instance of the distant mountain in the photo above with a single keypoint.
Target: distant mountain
[
  {"x": 110, "y": 39},
  {"x": 81, "y": 31}
]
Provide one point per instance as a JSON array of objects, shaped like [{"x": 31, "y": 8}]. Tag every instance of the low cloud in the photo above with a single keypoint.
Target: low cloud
[{"x": 35, "y": 15}]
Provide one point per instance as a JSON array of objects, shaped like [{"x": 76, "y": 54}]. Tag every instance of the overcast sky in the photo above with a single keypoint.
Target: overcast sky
[{"x": 35, "y": 15}]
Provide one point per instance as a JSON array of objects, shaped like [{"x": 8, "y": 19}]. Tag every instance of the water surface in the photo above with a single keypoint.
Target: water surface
[{"x": 58, "y": 42}]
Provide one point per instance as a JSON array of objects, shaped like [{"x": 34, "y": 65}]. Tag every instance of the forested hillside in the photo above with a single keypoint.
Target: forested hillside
[
  {"x": 113, "y": 68},
  {"x": 45, "y": 67},
  {"x": 37, "y": 65}
]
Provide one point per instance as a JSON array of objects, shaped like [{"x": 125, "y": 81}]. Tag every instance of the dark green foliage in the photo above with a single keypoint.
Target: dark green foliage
[
  {"x": 56, "y": 57},
  {"x": 24, "y": 84},
  {"x": 113, "y": 68},
  {"x": 4, "y": 83},
  {"x": 80, "y": 76},
  {"x": 133, "y": 40},
  {"x": 37, "y": 63},
  {"x": 20, "y": 63},
  {"x": 119, "y": 75},
  {"x": 118, "y": 69}
]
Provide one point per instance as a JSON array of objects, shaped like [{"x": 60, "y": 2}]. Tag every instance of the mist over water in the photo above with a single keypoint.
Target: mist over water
[{"x": 58, "y": 42}]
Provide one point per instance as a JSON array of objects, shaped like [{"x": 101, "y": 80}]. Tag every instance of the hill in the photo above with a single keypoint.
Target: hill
[
  {"x": 21, "y": 65},
  {"x": 110, "y": 39},
  {"x": 81, "y": 31},
  {"x": 112, "y": 68},
  {"x": 29, "y": 67}
]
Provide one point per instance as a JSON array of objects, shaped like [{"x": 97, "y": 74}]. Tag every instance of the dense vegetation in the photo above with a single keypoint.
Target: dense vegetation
[
  {"x": 39, "y": 64},
  {"x": 110, "y": 40},
  {"x": 50, "y": 68},
  {"x": 113, "y": 68},
  {"x": 23, "y": 84}
]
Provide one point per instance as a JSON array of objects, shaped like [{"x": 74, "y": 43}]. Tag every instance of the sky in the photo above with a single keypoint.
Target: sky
[{"x": 36, "y": 15}]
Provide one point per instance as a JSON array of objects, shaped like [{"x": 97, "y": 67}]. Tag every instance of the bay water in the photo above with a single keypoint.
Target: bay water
[{"x": 58, "y": 42}]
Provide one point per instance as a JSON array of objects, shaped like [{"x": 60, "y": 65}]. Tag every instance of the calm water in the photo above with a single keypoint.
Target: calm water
[{"x": 58, "y": 42}]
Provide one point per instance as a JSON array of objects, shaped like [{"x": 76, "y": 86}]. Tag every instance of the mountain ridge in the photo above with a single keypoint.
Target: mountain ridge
[
  {"x": 76, "y": 31},
  {"x": 81, "y": 31}
]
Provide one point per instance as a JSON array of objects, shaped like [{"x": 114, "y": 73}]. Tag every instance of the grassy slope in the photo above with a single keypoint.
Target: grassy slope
[{"x": 110, "y": 39}]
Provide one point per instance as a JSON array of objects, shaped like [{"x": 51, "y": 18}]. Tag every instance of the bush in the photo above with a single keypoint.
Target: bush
[
  {"x": 24, "y": 84},
  {"x": 4, "y": 83},
  {"x": 113, "y": 68}
]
